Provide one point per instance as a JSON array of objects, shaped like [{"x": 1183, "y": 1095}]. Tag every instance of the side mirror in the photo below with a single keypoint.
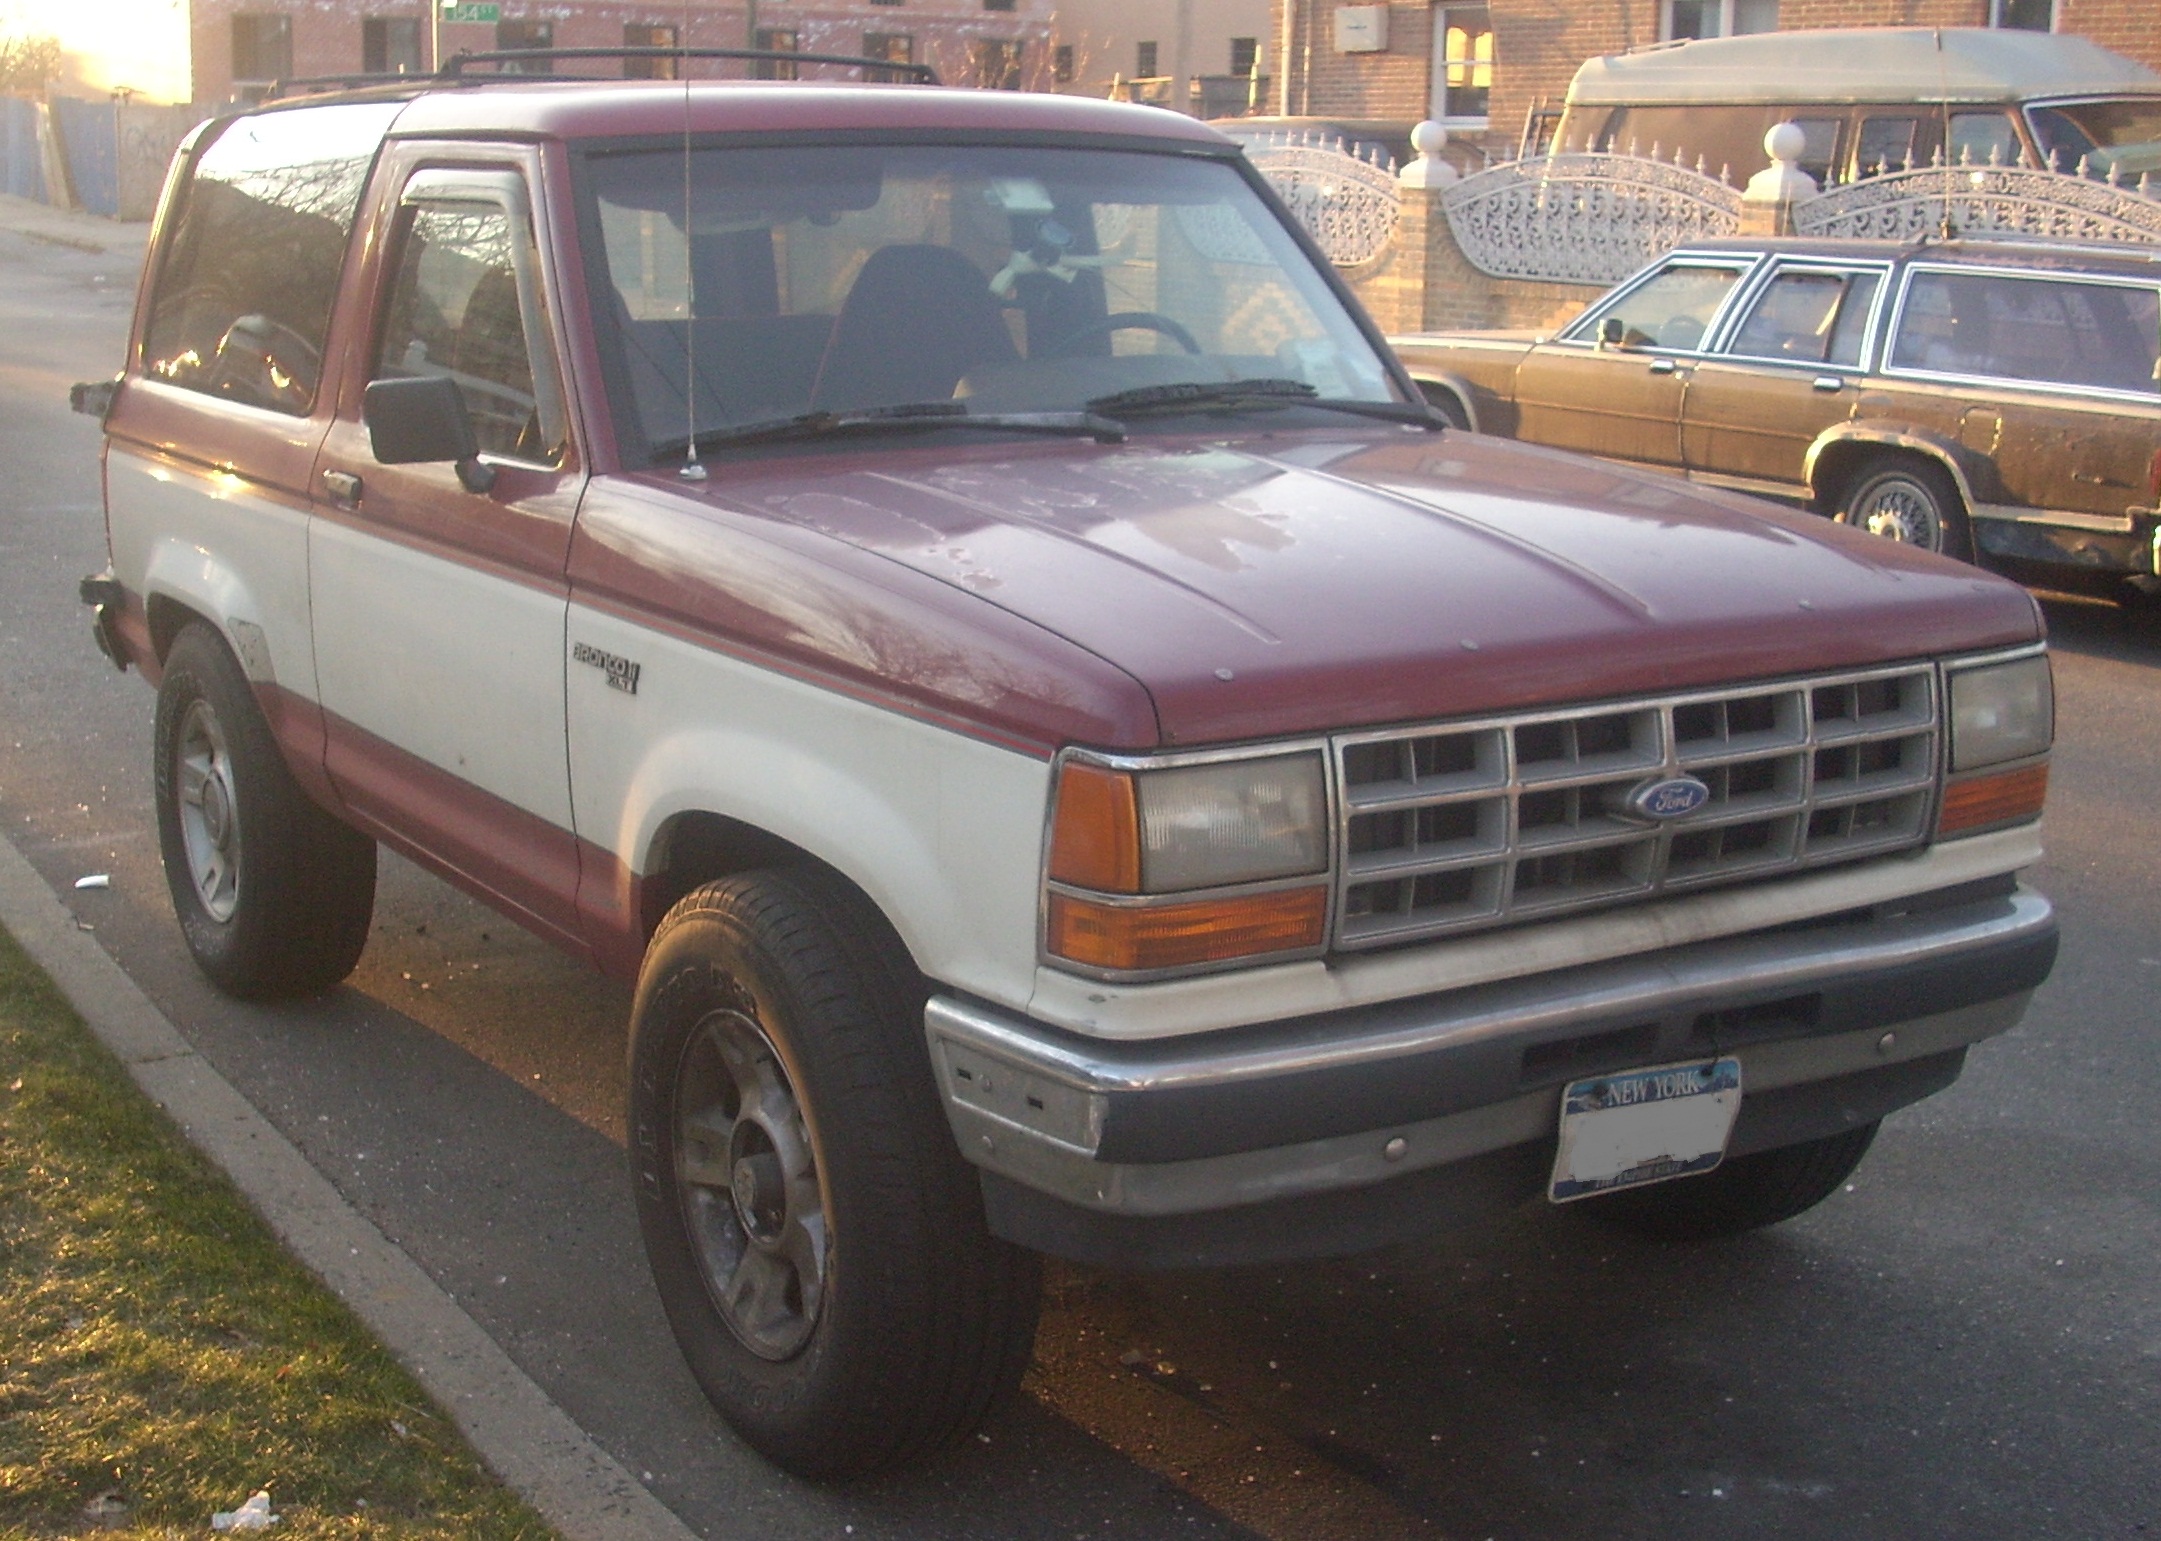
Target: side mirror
[
  {"x": 1611, "y": 332},
  {"x": 423, "y": 419}
]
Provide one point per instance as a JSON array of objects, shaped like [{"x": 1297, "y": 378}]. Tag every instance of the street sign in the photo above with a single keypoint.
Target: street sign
[{"x": 488, "y": 12}]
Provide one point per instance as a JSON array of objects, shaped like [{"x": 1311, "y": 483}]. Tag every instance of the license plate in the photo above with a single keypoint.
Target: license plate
[{"x": 1644, "y": 1126}]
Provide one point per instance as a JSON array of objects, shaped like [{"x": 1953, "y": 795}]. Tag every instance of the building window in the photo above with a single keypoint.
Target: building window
[
  {"x": 638, "y": 34},
  {"x": 1244, "y": 50},
  {"x": 1463, "y": 63},
  {"x": 893, "y": 47},
  {"x": 519, "y": 36},
  {"x": 997, "y": 5},
  {"x": 1061, "y": 62},
  {"x": 885, "y": 2},
  {"x": 779, "y": 40},
  {"x": 1719, "y": 18},
  {"x": 1144, "y": 61},
  {"x": 2023, "y": 15},
  {"x": 994, "y": 63},
  {"x": 390, "y": 45},
  {"x": 262, "y": 47}
]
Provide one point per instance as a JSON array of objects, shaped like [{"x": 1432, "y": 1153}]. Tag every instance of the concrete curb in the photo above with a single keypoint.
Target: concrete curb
[{"x": 525, "y": 1439}]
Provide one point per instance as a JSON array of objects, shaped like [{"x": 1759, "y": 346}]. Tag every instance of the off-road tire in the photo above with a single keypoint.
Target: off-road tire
[
  {"x": 1916, "y": 497},
  {"x": 922, "y": 1319},
  {"x": 1745, "y": 1193},
  {"x": 288, "y": 914}
]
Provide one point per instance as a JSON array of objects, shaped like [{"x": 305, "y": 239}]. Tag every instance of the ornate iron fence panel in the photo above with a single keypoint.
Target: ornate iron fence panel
[
  {"x": 1348, "y": 204},
  {"x": 1590, "y": 218},
  {"x": 1983, "y": 201}
]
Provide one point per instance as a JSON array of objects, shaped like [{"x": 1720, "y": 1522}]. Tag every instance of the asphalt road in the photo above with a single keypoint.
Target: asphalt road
[{"x": 1965, "y": 1344}]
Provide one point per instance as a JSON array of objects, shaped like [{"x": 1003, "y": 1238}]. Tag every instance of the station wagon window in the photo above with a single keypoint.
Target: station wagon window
[
  {"x": 240, "y": 307},
  {"x": 455, "y": 310},
  {"x": 1809, "y": 316},
  {"x": 2041, "y": 330},
  {"x": 1670, "y": 312}
]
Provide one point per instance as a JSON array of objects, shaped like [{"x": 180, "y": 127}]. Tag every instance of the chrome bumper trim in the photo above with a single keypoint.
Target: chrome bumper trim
[{"x": 1031, "y": 1103}]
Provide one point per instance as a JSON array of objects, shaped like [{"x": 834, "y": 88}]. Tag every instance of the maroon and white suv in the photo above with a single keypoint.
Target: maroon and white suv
[{"x": 948, "y": 592}]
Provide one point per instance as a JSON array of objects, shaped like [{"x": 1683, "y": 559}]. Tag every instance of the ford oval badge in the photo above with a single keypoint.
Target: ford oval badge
[{"x": 1673, "y": 798}]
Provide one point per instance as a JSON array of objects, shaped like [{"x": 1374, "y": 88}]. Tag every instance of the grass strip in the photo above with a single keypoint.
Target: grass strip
[{"x": 161, "y": 1356}]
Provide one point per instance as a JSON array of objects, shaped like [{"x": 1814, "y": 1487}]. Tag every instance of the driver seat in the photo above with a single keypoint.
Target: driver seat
[{"x": 916, "y": 320}]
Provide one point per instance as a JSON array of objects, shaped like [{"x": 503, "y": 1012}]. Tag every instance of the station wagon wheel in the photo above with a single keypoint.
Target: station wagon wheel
[
  {"x": 274, "y": 895},
  {"x": 817, "y": 1241},
  {"x": 1910, "y": 501}
]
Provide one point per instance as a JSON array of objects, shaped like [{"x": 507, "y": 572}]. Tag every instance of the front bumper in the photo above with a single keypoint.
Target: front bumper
[{"x": 1347, "y": 1129}]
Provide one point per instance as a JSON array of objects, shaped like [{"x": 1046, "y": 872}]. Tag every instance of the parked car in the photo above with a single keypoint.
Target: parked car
[
  {"x": 1989, "y": 400},
  {"x": 948, "y": 593},
  {"x": 1871, "y": 99}
]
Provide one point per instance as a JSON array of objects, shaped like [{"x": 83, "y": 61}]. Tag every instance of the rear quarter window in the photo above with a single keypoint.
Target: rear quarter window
[
  {"x": 241, "y": 304},
  {"x": 2041, "y": 330}
]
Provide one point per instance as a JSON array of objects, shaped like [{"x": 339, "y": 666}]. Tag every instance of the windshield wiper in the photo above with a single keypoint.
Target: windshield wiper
[
  {"x": 1202, "y": 395},
  {"x": 915, "y": 417}
]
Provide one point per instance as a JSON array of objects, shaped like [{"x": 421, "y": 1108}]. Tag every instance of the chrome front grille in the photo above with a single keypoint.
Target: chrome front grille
[{"x": 1461, "y": 826}]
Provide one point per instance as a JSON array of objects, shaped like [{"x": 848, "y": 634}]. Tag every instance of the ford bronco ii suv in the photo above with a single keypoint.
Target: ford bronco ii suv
[{"x": 947, "y": 591}]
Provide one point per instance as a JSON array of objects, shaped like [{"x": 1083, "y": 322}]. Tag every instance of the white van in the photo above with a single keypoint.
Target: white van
[{"x": 1869, "y": 100}]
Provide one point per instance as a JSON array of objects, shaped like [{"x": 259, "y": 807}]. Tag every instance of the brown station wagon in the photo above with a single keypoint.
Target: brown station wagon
[{"x": 1993, "y": 401}]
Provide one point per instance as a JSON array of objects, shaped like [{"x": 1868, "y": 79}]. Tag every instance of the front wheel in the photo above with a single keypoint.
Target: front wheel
[
  {"x": 1909, "y": 501},
  {"x": 817, "y": 1240},
  {"x": 1743, "y": 1194},
  {"x": 273, "y": 894}
]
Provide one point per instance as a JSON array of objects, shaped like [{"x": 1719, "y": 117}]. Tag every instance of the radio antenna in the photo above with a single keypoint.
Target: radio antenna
[{"x": 693, "y": 470}]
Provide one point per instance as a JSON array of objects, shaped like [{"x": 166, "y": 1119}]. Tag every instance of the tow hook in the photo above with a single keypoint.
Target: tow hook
[{"x": 106, "y": 600}]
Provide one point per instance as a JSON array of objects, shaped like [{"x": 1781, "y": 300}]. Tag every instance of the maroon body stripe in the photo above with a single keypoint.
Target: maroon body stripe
[{"x": 512, "y": 860}]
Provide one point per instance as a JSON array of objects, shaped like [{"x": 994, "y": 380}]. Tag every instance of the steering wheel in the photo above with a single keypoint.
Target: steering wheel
[{"x": 1124, "y": 320}]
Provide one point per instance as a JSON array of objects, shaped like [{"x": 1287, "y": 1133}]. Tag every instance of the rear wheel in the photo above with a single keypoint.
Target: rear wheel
[
  {"x": 1743, "y": 1194},
  {"x": 1910, "y": 501},
  {"x": 274, "y": 895},
  {"x": 817, "y": 1240}
]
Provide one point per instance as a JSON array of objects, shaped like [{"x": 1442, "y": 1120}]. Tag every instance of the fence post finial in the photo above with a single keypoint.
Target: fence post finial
[{"x": 1429, "y": 170}]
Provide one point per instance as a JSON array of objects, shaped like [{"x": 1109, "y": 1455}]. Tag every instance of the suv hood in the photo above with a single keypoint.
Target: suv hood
[{"x": 1294, "y": 582}]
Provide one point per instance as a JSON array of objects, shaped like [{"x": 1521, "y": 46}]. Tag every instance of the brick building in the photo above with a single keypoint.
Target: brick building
[
  {"x": 1481, "y": 68},
  {"x": 239, "y": 46}
]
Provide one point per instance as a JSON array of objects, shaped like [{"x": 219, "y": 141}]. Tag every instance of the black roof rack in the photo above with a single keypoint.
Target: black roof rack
[
  {"x": 300, "y": 84},
  {"x": 454, "y": 67}
]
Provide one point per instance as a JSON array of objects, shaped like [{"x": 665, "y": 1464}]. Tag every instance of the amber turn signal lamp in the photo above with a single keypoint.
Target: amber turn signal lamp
[
  {"x": 1180, "y": 935},
  {"x": 1985, "y": 802},
  {"x": 1095, "y": 839}
]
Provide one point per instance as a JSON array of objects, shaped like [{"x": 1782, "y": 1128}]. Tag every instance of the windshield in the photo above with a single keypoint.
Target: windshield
[
  {"x": 845, "y": 278},
  {"x": 2099, "y": 132}
]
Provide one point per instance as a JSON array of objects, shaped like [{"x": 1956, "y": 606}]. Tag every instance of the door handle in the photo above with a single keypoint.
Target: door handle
[
  {"x": 1663, "y": 366},
  {"x": 1827, "y": 384},
  {"x": 342, "y": 488}
]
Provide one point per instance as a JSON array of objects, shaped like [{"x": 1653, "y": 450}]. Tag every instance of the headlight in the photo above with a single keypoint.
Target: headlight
[
  {"x": 1130, "y": 835},
  {"x": 2003, "y": 712},
  {"x": 1238, "y": 821}
]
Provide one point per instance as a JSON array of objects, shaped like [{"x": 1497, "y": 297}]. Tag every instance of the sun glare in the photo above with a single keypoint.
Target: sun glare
[{"x": 109, "y": 45}]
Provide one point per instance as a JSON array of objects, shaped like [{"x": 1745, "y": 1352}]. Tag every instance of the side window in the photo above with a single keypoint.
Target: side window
[
  {"x": 1849, "y": 332},
  {"x": 1819, "y": 146},
  {"x": 1671, "y": 311},
  {"x": 241, "y": 304},
  {"x": 1808, "y": 317},
  {"x": 1983, "y": 139},
  {"x": 1886, "y": 144},
  {"x": 2032, "y": 329},
  {"x": 462, "y": 305}
]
